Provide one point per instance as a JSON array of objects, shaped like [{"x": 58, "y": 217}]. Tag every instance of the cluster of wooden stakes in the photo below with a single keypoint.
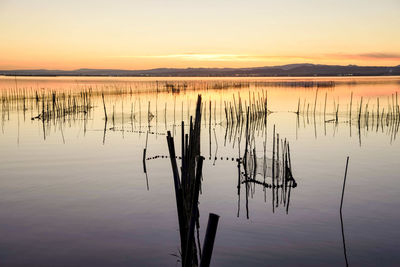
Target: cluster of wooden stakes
[{"x": 187, "y": 185}]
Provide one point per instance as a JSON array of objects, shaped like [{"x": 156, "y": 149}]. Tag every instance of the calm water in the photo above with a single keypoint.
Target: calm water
[{"x": 73, "y": 192}]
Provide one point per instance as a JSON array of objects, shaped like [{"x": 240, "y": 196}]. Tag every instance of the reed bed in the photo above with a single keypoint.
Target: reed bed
[
  {"x": 367, "y": 114},
  {"x": 169, "y": 86},
  {"x": 276, "y": 173}
]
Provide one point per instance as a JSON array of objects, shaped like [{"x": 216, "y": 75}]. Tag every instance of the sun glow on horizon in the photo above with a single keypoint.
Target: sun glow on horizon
[{"x": 143, "y": 35}]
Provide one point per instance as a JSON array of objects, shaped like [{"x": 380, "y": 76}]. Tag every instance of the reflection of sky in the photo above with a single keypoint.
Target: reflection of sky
[{"x": 86, "y": 203}]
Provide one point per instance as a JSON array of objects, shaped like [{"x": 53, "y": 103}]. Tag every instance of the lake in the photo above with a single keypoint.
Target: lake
[{"x": 73, "y": 190}]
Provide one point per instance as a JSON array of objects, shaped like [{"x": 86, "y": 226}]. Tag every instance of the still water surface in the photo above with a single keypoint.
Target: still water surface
[{"x": 72, "y": 194}]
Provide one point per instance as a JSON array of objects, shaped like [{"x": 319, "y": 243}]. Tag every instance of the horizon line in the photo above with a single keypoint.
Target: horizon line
[{"x": 216, "y": 68}]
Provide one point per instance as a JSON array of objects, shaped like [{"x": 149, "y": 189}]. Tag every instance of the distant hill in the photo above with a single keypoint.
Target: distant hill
[{"x": 292, "y": 70}]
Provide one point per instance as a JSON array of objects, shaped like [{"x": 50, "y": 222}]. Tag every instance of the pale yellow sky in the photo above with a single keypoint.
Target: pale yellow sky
[{"x": 150, "y": 34}]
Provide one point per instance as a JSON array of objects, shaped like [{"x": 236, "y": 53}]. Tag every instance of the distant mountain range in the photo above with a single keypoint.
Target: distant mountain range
[{"x": 271, "y": 71}]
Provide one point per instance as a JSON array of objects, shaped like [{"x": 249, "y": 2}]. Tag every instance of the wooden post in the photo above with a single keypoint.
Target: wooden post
[
  {"x": 341, "y": 215},
  {"x": 178, "y": 191},
  {"x": 344, "y": 184},
  {"x": 104, "y": 105},
  {"x": 194, "y": 214},
  {"x": 209, "y": 239}
]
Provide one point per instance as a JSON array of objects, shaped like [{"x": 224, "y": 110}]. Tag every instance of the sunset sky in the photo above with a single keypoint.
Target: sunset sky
[{"x": 226, "y": 33}]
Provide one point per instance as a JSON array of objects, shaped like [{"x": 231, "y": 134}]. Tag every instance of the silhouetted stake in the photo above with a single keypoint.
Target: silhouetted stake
[
  {"x": 113, "y": 117},
  {"x": 238, "y": 186},
  {"x": 178, "y": 192},
  {"x": 104, "y": 132},
  {"x": 43, "y": 112},
  {"x": 315, "y": 102},
  {"x": 337, "y": 112},
  {"x": 273, "y": 170},
  {"x": 236, "y": 110},
  {"x": 377, "y": 113},
  {"x": 215, "y": 112},
  {"x": 288, "y": 197},
  {"x": 209, "y": 239},
  {"x": 277, "y": 170},
  {"x": 187, "y": 188},
  {"x": 393, "y": 108},
  {"x": 144, "y": 153},
  {"x": 245, "y": 158},
  {"x": 147, "y": 181},
  {"x": 194, "y": 213},
  {"x": 325, "y": 107},
  {"x": 344, "y": 184},
  {"x": 285, "y": 176},
  {"x": 298, "y": 107},
  {"x": 226, "y": 113},
  {"x": 351, "y": 103},
  {"x": 183, "y": 161},
  {"x": 216, "y": 147},
  {"x": 341, "y": 216},
  {"x": 148, "y": 115},
  {"x": 291, "y": 181}
]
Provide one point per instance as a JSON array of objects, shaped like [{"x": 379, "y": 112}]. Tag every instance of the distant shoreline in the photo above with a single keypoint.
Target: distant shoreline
[
  {"x": 291, "y": 70},
  {"x": 193, "y": 76}
]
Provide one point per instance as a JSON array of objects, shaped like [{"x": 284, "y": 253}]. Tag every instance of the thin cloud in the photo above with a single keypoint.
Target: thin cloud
[
  {"x": 219, "y": 57},
  {"x": 367, "y": 56},
  {"x": 381, "y": 55},
  {"x": 215, "y": 57}
]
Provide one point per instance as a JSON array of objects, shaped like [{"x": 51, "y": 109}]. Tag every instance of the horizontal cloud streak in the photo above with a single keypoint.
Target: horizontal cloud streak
[
  {"x": 366, "y": 56},
  {"x": 266, "y": 59},
  {"x": 220, "y": 57}
]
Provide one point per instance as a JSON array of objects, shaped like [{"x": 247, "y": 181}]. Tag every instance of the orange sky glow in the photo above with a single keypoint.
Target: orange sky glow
[{"x": 153, "y": 34}]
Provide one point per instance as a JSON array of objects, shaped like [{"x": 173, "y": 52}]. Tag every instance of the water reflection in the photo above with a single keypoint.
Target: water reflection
[
  {"x": 341, "y": 214},
  {"x": 58, "y": 110},
  {"x": 139, "y": 120},
  {"x": 248, "y": 121}
]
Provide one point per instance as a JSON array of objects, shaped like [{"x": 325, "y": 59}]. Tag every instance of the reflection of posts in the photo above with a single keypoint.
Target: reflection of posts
[
  {"x": 144, "y": 153},
  {"x": 278, "y": 170},
  {"x": 104, "y": 131},
  {"x": 144, "y": 161},
  {"x": 341, "y": 215}
]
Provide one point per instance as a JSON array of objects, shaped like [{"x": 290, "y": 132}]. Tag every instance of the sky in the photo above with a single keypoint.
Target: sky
[{"x": 55, "y": 34}]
